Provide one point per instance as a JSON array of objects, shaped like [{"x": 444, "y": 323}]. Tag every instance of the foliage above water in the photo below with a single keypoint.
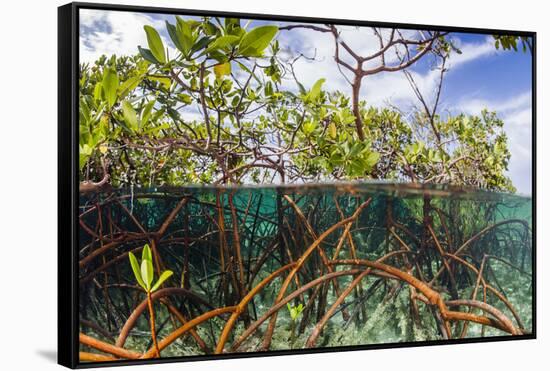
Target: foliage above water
[{"x": 221, "y": 103}]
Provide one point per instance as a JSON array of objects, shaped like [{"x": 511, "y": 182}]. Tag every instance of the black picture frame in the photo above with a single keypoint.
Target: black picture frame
[{"x": 68, "y": 72}]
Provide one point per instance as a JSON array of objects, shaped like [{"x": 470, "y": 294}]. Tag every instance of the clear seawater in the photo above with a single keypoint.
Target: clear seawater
[{"x": 220, "y": 242}]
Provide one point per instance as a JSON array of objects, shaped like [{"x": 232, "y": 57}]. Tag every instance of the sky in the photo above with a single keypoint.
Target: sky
[{"x": 480, "y": 77}]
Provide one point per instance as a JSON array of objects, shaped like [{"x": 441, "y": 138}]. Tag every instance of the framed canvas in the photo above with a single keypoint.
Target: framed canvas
[{"x": 236, "y": 185}]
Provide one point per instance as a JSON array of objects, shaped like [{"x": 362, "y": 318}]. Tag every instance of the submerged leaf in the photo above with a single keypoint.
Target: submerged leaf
[
  {"x": 147, "y": 273},
  {"x": 135, "y": 268},
  {"x": 163, "y": 277},
  {"x": 146, "y": 253}
]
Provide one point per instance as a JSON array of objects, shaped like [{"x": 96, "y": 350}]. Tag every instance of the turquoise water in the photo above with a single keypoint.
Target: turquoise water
[{"x": 221, "y": 242}]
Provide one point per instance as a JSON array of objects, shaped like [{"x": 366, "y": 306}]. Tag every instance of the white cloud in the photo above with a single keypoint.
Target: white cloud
[
  {"x": 472, "y": 51},
  {"x": 511, "y": 104},
  {"x": 113, "y": 32}
]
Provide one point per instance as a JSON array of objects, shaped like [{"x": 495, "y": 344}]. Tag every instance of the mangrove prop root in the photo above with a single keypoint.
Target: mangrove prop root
[
  {"x": 287, "y": 299},
  {"x": 244, "y": 302},
  {"x": 132, "y": 319},
  {"x": 489, "y": 309},
  {"x": 107, "y": 348},
  {"x": 152, "y": 321},
  {"x": 94, "y": 357},
  {"x": 300, "y": 262},
  {"x": 230, "y": 257},
  {"x": 188, "y": 326}
]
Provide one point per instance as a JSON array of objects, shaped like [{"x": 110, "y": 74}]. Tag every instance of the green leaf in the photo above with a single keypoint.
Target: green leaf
[
  {"x": 173, "y": 33},
  {"x": 110, "y": 85},
  {"x": 128, "y": 86},
  {"x": 82, "y": 160},
  {"x": 163, "y": 277},
  {"x": 315, "y": 90},
  {"x": 146, "y": 113},
  {"x": 301, "y": 88},
  {"x": 201, "y": 44},
  {"x": 223, "y": 42},
  {"x": 85, "y": 151},
  {"x": 130, "y": 116},
  {"x": 332, "y": 130},
  {"x": 164, "y": 80},
  {"x": 146, "y": 253},
  {"x": 185, "y": 98},
  {"x": 155, "y": 44},
  {"x": 309, "y": 127},
  {"x": 135, "y": 268},
  {"x": 232, "y": 24},
  {"x": 147, "y": 273},
  {"x": 222, "y": 69},
  {"x": 371, "y": 159},
  {"x": 147, "y": 55},
  {"x": 98, "y": 91},
  {"x": 181, "y": 35},
  {"x": 156, "y": 129},
  {"x": 268, "y": 89},
  {"x": 254, "y": 42},
  {"x": 185, "y": 34}
]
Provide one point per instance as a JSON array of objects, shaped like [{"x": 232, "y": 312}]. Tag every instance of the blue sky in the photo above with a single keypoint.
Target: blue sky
[{"x": 479, "y": 77}]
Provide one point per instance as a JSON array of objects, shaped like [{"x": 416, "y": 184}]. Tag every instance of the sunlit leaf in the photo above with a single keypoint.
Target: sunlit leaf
[
  {"x": 371, "y": 159},
  {"x": 98, "y": 91},
  {"x": 130, "y": 116},
  {"x": 222, "y": 69},
  {"x": 155, "y": 44},
  {"x": 223, "y": 42},
  {"x": 110, "y": 85},
  {"x": 185, "y": 35},
  {"x": 146, "y": 113},
  {"x": 163, "y": 80},
  {"x": 128, "y": 86},
  {"x": 315, "y": 90},
  {"x": 254, "y": 42},
  {"x": 332, "y": 130}
]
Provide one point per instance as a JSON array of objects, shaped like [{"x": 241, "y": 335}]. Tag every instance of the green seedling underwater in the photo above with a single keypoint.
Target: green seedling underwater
[
  {"x": 144, "y": 273},
  {"x": 295, "y": 312}
]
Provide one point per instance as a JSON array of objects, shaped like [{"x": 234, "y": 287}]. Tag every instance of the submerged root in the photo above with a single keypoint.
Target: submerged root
[{"x": 435, "y": 279}]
